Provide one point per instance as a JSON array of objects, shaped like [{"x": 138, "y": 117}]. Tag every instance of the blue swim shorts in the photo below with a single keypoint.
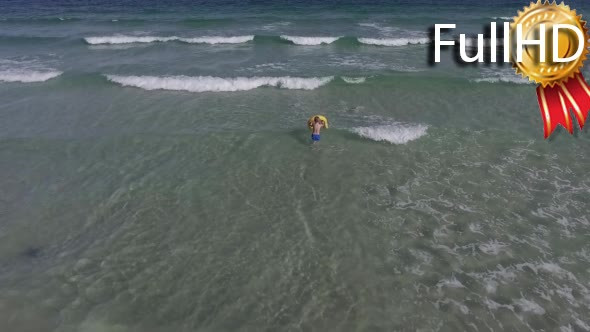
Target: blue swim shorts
[{"x": 315, "y": 137}]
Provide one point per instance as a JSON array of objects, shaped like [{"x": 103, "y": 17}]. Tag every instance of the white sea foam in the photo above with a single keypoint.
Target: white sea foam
[
  {"x": 298, "y": 40},
  {"x": 393, "y": 41},
  {"x": 493, "y": 305},
  {"x": 501, "y": 76},
  {"x": 367, "y": 63},
  {"x": 272, "y": 65},
  {"x": 392, "y": 133},
  {"x": 421, "y": 255},
  {"x": 567, "y": 328},
  {"x": 209, "y": 83},
  {"x": 503, "y": 18},
  {"x": 475, "y": 228},
  {"x": 556, "y": 269},
  {"x": 354, "y": 80},
  {"x": 274, "y": 26},
  {"x": 529, "y": 306},
  {"x": 581, "y": 324},
  {"x": 462, "y": 307},
  {"x": 381, "y": 28},
  {"x": 491, "y": 286},
  {"x": 27, "y": 75},
  {"x": 370, "y": 25},
  {"x": 503, "y": 79},
  {"x": 453, "y": 282},
  {"x": 122, "y": 39},
  {"x": 356, "y": 61},
  {"x": 492, "y": 247}
]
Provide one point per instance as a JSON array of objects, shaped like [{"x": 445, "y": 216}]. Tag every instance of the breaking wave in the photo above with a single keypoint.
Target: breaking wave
[
  {"x": 392, "y": 133},
  {"x": 393, "y": 41},
  {"x": 27, "y": 76},
  {"x": 218, "y": 84},
  {"x": 153, "y": 39},
  {"x": 354, "y": 80},
  {"x": 297, "y": 40}
]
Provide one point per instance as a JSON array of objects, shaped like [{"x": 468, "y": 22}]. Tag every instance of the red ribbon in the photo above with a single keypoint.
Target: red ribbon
[{"x": 556, "y": 102}]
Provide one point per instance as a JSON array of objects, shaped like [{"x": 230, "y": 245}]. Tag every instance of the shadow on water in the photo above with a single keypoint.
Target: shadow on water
[{"x": 32, "y": 252}]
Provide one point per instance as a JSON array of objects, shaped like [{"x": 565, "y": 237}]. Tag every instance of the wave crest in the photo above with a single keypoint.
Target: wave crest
[
  {"x": 217, "y": 40},
  {"x": 153, "y": 39},
  {"x": 393, "y": 41},
  {"x": 392, "y": 133},
  {"x": 310, "y": 40},
  {"x": 218, "y": 84},
  {"x": 27, "y": 76}
]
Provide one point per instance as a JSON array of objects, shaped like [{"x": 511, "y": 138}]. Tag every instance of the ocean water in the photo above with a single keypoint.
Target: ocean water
[{"x": 157, "y": 173}]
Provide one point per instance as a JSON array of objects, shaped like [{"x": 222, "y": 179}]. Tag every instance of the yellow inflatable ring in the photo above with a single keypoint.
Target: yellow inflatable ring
[{"x": 322, "y": 118}]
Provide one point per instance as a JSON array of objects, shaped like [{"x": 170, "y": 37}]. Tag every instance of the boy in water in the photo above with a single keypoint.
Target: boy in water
[{"x": 318, "y": 124}]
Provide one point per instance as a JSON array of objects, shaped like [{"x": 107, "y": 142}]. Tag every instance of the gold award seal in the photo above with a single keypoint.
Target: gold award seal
[
  {"x": 561, "y": 85},
  {"x": 549, "y": 72}
]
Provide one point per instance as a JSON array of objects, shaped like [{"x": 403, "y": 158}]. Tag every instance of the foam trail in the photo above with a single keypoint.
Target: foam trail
[
  {"x": 122, "y": 39},
  {"x": 209, "y": 83},
  {"x": 382, "y": 29},
  {"x": 27, "y": 76},
  {"x": 503, "y": 79},
  {"x": 490, "y": 75},
  {"x": 392, "y": 133},
  {"x": 354, "y": 80},
  {"x": 393, "y": 41},
  {"x": 310, "y": 40}
]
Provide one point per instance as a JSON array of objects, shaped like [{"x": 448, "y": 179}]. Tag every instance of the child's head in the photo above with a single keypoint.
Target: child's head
[{"x": 316, "y": 119}]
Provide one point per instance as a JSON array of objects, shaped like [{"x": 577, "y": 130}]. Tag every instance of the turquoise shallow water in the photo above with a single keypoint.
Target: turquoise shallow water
[{"x": 154, "y": 182}]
